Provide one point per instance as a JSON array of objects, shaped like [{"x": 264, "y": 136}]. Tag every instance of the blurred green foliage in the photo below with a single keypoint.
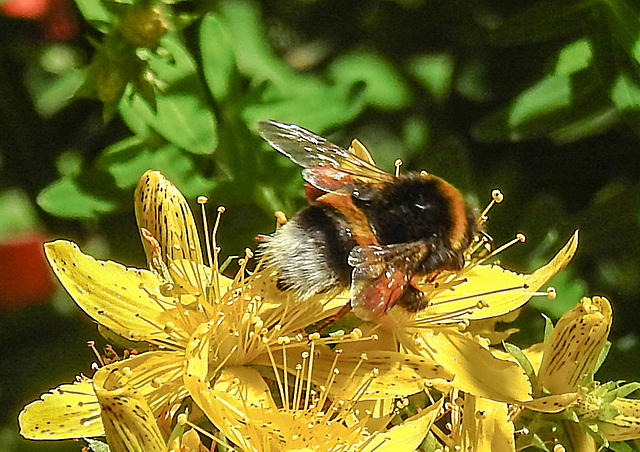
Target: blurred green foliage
[{"x": 540, "y": 99}]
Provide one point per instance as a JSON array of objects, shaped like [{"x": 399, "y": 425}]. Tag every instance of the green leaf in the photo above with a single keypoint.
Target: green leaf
[
  {"x": 128, "y": 159},
  {"x": 97, "y": 446},
  {"x": 384, "y": 86},
  {"x": 601, "y": 357},
  {"x": 218, "y": 60},
  {"x": 550, "y": 94},
  {"x": 94, "y": 12},
  {"x": 621, "y": 447},
  {"x": 524, "y": 362},
  {"x": 254, "y": 56},
  {"x": 627, "y": 389},
  {"x": 53, "y": 96},
  {"x": 565, "y": 108},
  {"x": 548, "y": 328},
  {"x": 624, "y": 25},
  {"x": 314, "y": 106},
  {"x": 182, "y": 116},
  {"x": 66, "y": 198},
  {"x": 574, "y": 57},
  {"x": 625, "y": 93},
  {"x": 435, "y": 73},
  {"x": 18, "y": 213}
]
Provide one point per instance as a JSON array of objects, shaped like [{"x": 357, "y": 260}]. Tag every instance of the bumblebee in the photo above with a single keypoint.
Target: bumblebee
[{"x": 365, "y": 229}]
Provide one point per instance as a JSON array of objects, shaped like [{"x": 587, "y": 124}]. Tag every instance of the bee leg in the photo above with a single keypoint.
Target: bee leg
[
  {"x": 344, "y": 310},
  {"x": 412, "y": 299}
]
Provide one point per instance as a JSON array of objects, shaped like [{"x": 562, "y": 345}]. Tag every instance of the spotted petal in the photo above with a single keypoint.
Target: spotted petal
[
  {"x": 68, "y": 411},
  {"x": 125, "y": 300}
]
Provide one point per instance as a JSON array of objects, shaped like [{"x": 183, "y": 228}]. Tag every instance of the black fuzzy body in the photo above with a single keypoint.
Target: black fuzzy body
[{"x": 410, "y": 210}]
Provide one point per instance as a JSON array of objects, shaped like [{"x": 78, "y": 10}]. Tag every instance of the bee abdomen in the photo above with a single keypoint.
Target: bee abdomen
[{"x": 310, "y": 251}]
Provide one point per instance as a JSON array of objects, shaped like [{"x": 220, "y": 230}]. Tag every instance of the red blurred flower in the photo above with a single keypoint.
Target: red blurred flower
[
  {"x": 25, "y": 276},
  {"x": 58, "y": 20}
]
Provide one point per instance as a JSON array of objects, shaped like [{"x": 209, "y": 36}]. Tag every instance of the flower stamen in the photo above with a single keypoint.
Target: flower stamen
[
  {"x": 496, "y": 198},
  {"x": 397, "y": 164}
]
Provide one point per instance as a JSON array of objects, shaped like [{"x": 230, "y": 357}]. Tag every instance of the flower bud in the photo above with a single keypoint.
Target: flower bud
[
  {"x": 570, "y": 353},
  {"x": 144, "y": 25}
]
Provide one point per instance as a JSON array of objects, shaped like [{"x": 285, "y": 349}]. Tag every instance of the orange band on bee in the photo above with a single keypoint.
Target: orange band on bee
[
  {"x": 458, "y": 213},
  {"x": 360, "y": 229}
]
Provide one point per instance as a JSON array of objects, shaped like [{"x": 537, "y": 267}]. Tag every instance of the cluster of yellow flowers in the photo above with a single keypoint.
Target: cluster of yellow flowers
[{"x": 236, "y": 365}]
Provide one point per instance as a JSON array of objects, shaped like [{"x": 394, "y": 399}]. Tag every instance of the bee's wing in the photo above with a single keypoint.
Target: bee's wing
[
  {"x": 327, "y": 166},
  {"x": 380, "y": 276}
]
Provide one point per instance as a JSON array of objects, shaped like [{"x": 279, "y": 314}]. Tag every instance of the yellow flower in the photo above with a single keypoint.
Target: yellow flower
[
  {"x": 182, "y": 303},
  {"x": 240, "y": 404}
]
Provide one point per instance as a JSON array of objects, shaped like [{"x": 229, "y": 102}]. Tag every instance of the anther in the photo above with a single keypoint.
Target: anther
[
  {"x": 281, "y": 218},
  {"x": 202, "y": 200},
  {"x": 551, "y": 293},
  {"x": 356, "y": 334},
  {"x": 397, "y": 164}
]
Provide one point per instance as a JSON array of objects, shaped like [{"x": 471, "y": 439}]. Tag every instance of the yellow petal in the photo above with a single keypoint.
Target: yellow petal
[
  {"x": 157, "y": 375},
  {"x": 496, "y": 290},
  {"x": 113, "y": 295},
  {"x": 486, "y": 426},
  {"x": 226, "y": 411},
  {"x": 68, "y": 411},
  {"x": 191, "y": 442},
  {"x": 552, "y": 403},
  {"x": 162, "y": 210},
  {"x": 397, "y": 374},
  {"x": 360, "y": 151},
  {"x": 476, "y": 370},
  {"x": 408, "y": 435},
  {"x": 128, "y": 421},
  {"x": 570, "y": 353}
]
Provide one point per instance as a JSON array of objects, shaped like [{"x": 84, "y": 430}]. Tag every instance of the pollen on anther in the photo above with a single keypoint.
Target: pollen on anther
[
  {"x": 221, "y": 209},
  {"x": 521, "y": 237},
  {"x": 202, "y": 200},
  {"x": 497, "y": 196},
  {"x": 551, "y": 293},
  {"x": 356, "y": 334}
]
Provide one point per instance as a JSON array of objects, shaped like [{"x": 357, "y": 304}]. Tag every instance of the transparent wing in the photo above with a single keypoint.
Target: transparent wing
[
  {"x": 380, "y": 276},
  {"x": 325, "y": 163}
]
